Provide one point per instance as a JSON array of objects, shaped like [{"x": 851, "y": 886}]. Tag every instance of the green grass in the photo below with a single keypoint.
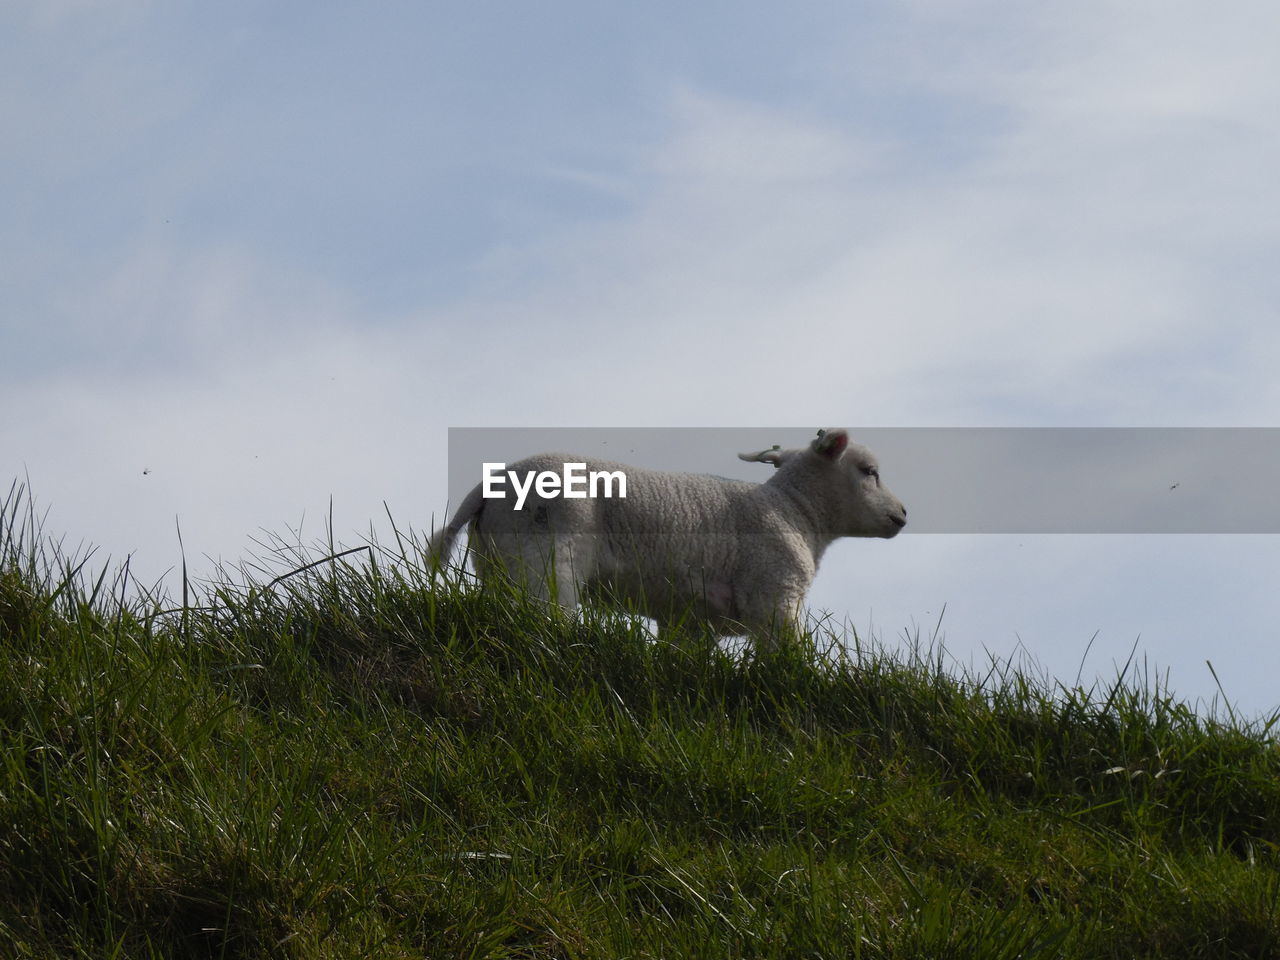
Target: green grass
[{"x": 353, "y": 761}]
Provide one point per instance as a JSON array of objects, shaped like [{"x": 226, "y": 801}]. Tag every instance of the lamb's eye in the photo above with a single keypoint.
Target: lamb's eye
[{"x": 870, "y": 471}]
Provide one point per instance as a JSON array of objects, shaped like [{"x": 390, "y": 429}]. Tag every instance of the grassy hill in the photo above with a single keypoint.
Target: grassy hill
[{"x": 352, "y": 761}]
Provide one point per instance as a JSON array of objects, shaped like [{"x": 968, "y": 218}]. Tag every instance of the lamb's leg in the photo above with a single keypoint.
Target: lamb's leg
[
  {"x": 544, "y": 569},
  {"x": 564, "y": 581},
  {"x": 777, "y": 624}
]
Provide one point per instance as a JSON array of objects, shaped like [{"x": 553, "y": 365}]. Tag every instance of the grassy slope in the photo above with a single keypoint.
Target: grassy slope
[{"x": 354, "y": 763}]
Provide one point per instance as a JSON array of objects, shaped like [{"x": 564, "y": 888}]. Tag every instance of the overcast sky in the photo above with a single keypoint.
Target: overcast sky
[{"x": 260, "y": 256}]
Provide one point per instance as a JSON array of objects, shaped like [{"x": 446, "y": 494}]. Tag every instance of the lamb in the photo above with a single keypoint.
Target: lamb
[{"x": 736, "y": 556}]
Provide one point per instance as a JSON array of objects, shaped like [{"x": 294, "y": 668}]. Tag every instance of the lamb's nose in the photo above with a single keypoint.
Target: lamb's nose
[{"x": 900, "y": 521}]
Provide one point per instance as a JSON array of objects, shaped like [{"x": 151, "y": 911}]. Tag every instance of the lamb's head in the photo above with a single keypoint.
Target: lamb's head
[
  {"x": 865, "y": 506},
  {"x": 842, "y": 482}
]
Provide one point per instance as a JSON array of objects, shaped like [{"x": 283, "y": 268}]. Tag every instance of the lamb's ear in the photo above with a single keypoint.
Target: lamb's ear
[
  {"x": 772, "y": 455},
  {"x": 831, "y": 443}
]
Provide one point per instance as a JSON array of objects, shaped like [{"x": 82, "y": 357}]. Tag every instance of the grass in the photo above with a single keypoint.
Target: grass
[{"x": 354, "y": 761}]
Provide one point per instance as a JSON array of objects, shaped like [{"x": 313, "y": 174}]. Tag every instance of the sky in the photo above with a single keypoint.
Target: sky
[{"x": 258, "y": 259}]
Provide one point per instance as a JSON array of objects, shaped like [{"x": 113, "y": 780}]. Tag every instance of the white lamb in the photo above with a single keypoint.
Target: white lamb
[{"x": 739, "y": 556}]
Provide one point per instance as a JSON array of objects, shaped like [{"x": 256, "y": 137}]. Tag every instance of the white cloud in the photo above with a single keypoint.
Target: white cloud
[{"x": 720, "y": 146}]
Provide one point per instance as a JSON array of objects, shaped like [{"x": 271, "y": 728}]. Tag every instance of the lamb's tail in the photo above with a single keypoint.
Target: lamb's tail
[{"x": 441, "y": 543}]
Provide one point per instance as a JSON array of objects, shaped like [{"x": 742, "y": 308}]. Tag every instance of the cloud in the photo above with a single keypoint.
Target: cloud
[
  {"x": 721, "y": 145},
  {"x": 1071, "y": 242}
]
